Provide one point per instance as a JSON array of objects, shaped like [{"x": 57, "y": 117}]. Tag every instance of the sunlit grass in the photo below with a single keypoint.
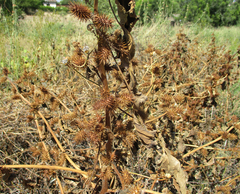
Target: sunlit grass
[
  {"x": 41, "y": 40},
  {"x": 31, "y": 45},
  {"x": 159, "y": 34}
]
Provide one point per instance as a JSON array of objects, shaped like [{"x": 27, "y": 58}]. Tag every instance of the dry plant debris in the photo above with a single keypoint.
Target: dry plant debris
[{"x": 112, "y": 123}]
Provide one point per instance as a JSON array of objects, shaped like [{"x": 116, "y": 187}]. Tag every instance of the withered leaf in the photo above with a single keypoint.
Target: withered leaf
[
  {"x": 8, "y": 176},
  {"x": 181, "y": 146},
  {"x": 171, "y": 165},
  {"x": 145, "y": 135},
  {"x": 176, "y": 185},
  {"x": 211, "y": 161},
  {"x": 140, "y": 100},
  {"x": 28, "y": 183},
  {"x": 141, "y": 128},
  {"x": 198, "y": 175}
]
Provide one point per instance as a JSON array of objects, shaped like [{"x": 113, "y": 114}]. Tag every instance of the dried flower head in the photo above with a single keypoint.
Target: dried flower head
[
  {"x": 30, "y": 118},
  {"x": 77, "y": 57},
  {"x": 125, "y": 99},
  {"x": 127, "y": 177},
  {"x": 108, "y": 102},
  {"x": 134, "y": 62},
  {"x": 44, "y": 90},
  {"x": 77, "y": 60},
  {"x": 150, "y": 49},
  {"x": 16, "y": 97},
  {"x": 5, "y": 71},
  {"x": 156, "y": 70},
  {"x": 69, "y": 116},
  {"x": 3, "y": 79},
  {"x": 158, "y": 51},
  {"x": 129, "y": 139},
  {"x": 103, "y": 55},
  {"x": 102, "y": 22},
  {"x": 80, "y": 136},
  {"x": 81, "y": 11}
]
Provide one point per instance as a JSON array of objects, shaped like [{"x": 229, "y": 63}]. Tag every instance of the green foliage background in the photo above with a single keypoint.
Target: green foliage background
[
  {"x": 21, "y": 6},
  {"x": 205, "y": 12},
  {"x": 213, "y": 12}
]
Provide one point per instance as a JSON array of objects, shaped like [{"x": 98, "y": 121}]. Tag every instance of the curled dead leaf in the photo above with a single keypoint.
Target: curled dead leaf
[
  {"x": 181, "y": 146},
  {"x": 211, "y": 161},
  {"x": 145, "y": 135},
  {"x": 172, "y": 166}
]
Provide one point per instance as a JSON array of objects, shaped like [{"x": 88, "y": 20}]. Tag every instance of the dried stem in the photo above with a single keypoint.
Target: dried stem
[
  {"x": 41, "y": 137},
  {"x": 207, "y": 144},
  {"x": 95, "y": 6},
  {"x": 48, "y": 127},
  {"x": 119, "y": 175},
  {"x": 52, "y": 167},
  {"x": 232, "y": 180},
  {"x": 60, "y": 185},
  {"x": 156, "y": 118}
]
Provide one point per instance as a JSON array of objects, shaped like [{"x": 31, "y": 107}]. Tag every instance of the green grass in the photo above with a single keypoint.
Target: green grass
[
  {"x": 29, "y": 45},
  {"x": 159, "y": 34},
  {"x": 225, "y": 36}
]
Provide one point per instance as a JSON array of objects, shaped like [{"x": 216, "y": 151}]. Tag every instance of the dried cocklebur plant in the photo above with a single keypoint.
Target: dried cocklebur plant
[{"x": 102, "y": 56}]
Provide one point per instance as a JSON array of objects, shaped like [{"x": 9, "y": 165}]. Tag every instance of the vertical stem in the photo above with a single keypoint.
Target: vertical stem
[
  {"x": 107, "y": 123},
  {"x": 14, "y": 14},
  {"x": 103, "y": 77},
  {"x": 95, "y": 6},
  {"x": 106, "y": 89},
  {"x": 104, "y": 186},
  {"x": 14, "y": 33}
]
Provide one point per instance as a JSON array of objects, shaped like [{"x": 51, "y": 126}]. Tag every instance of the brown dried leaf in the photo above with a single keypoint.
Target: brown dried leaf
[
  {"x": 171, "y": 165},
  {"x": 29, "y": 183},
  {"x": 176, "y": 185},
  {"x": 210, "y": 162},
  {"x": 145, "y": 135},
  {"x": 146, "y": 140},
  {"x": 143, "y": 130},
  {"x": 198, "y": 175},
  {"x": 181, "y": 146},
  {"x": 140, "y": 100},
  {"x": 3, "y": 79},
  {"x": 69, "y": 116}
]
